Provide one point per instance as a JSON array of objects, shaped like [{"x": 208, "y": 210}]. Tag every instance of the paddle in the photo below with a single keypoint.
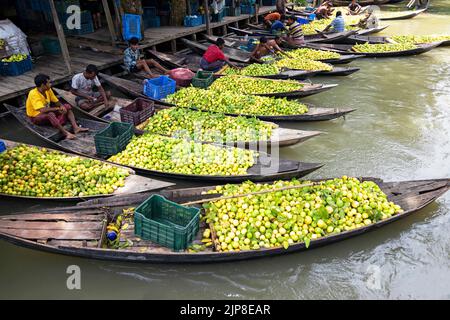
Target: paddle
[{"x": 250, "y": 194}]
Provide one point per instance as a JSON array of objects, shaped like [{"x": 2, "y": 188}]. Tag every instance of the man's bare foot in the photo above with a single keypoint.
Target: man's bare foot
[
  {"x": 78, "y": 130},
  {"x": 70, "y": 136}
]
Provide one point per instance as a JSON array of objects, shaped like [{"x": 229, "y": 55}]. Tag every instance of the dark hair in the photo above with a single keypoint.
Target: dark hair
[
  {"x": 41, "y": 79},
  {"x": 92, "y": 69},
  {"x": 277, "y": 37},
  {"x": 263, "y": 40},
  {"x": 338, "y": 14},
  {"x": 220, "y": 42},
  {"x": 133, "y": 41}
]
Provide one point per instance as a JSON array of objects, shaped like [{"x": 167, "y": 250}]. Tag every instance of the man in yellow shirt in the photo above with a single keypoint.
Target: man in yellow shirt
[{"x": 44, "y": 108}]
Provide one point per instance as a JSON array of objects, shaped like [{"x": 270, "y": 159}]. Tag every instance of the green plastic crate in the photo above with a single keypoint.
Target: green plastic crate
[
  {"x": 203, "y": 79},
  {"x": 166, "y": 223},
  {"x": 113, "y": 138}
]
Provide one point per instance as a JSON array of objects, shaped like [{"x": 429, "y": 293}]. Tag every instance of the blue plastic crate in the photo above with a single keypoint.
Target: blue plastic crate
[
  {"x": 159, "y": 88},
  {"x": 302, "y": 20},
  {"x": 192, "y": 21},
  {"x": 131, "y": 26},
  {"x": 149, "y": 11},
  {"x": 16, "y": 68},
  {"x": 152, "y": 22},
  {"x": 246, "y": 9},
  {"x": 2, "y": 146},
  {"x": 312, "y": 17},
  {"x": 269, "y": 2}
]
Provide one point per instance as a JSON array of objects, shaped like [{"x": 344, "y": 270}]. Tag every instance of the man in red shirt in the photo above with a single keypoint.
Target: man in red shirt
[{"x": 214, "y": 59}]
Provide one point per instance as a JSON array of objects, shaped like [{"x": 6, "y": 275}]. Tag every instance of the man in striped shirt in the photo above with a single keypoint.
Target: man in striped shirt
[{"x": 295, "y": 34}]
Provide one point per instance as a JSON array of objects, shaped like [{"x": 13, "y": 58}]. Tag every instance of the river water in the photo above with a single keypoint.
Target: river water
[{"x": 400, "y": 131}]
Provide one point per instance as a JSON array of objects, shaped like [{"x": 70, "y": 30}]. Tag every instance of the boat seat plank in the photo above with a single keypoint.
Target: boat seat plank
[
  {"x": 52, "y": 234},
  {"x": 60, "y": 225},
  {"x": 73, "y": 243},
  {"x": 54, "y": 217}
]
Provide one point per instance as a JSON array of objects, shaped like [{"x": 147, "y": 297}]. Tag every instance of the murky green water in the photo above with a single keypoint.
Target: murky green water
[{"x": 400, "y": 131}]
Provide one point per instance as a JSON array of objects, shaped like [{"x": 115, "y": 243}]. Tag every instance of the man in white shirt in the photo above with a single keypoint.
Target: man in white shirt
[{"x": 83, "y": 85}]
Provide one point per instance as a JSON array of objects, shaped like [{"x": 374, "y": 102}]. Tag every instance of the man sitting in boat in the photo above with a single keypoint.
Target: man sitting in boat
[
  {"x": 295, "y": 34},
  {"x": 324, "y": 11},
  {"x": 337, "y": 25},
  {"x": 354, "y": 8},
  {"x": 134, "y": 63},
  {"x": 82, "y": 86},
  {"x": 369, "y": 21},
  {"x": 266, "y": 47},
  {"x": 277, "y": 27},
  {"x": 271, "y": 18},
  {"x": 214, "y": 59},
  {"x": 43, "y": 108}
]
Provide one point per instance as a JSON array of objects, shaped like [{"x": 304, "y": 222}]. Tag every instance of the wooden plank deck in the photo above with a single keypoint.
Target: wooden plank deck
[
  {"x": 155, "y": 36},
  {"x": 106, "y": 57},
  {"x": 54, "y": 66}
]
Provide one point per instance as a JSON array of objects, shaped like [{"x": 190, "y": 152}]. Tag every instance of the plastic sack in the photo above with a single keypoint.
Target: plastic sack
[{"x": 182, "y": 76}]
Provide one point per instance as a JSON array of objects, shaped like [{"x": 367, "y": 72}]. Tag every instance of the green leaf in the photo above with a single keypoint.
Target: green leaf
[{"x": 307, "y": 242}]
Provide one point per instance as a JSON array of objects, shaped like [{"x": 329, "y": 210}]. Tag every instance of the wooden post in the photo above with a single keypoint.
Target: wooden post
[
  {"x": 189, "y": 9},
  {"x": 109, "y": 19},
  {"x": 208, "y": 27},
  {"x": 61, "y": 37},
  {"x": 173, "y": 46},
  {"x": 118, "y": 17}
]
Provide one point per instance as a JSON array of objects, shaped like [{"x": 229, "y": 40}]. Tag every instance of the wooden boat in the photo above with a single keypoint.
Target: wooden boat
[
  {"x": 133, "y": 183},
  {"x": 80, "y": 231},
  {"x": 84, "y": 145},
  {"x": 292, "y": 74},
  {"x": 282, "y": 137},
  {"x": 133, "y": 89},
  {"x": 100, "y": 113},
  {"x": 314, "y": 114},
  {"x": 235, "y": 43},
  {"x": 366, "y": 32},
  {"x": 344, "y": 48},
  {"x": 232, "y": 54},
  {"x": 331, "y": 37},
  {"x": 403, "y": 15},
  {"x": 361, "y": 39},
  {"x": 345, "y": 3}
]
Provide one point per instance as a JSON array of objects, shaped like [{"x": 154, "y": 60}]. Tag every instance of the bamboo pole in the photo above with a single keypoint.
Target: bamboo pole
[
  {"x": 61, "y": 37},
  {"x": 208, "y": 27},
  {"x": 250, "y": 194},
  {"x": 109, "y": 19}
]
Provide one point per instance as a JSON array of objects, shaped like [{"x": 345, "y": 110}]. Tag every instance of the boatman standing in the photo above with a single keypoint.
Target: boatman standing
[
  {"x": 43, "y": 108},
  {"x": 83, "y": 87}
]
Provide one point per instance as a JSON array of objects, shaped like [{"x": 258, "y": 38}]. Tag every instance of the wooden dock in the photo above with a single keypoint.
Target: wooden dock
[
  {"x": 53, "y": 66},
  {"x": 105, "y": 55}
]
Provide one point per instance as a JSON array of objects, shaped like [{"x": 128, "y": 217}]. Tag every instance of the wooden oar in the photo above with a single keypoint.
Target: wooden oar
[{"x": 250, "y": 194}]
